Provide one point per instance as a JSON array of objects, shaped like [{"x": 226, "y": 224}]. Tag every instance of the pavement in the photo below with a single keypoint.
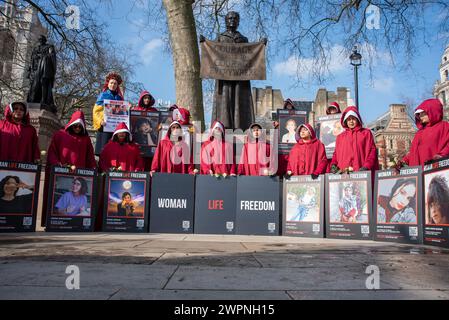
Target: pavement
[{"x": 198, "y": 267}]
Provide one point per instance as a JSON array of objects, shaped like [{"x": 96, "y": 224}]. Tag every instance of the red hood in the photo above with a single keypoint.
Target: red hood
[
  {"x": 335, "y": 105},
  {"x": 355, "y": 112},
  {"x": 122, "y": 127},
  {"x": 8, "y": 113},
  {"x": 311, "y": 131},
  {"x": 289, "y": 102},
  {"x": 250, "y": 134},
  {"x": 167, "y": 135},
  {"x": 217, "y": 123},
  {"x": 434, "y": 109},
  {"x": 77, "y": 117},
  {"x": 183, "y": 114},
  {"x": 143, "y": 94}
]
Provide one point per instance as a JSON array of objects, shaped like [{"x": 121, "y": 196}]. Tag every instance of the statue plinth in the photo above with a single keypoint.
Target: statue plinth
[{"x": 46, "y": 124}]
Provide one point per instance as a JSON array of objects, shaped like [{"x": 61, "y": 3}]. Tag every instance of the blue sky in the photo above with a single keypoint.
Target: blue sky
[{"x": 384, "y": 86}]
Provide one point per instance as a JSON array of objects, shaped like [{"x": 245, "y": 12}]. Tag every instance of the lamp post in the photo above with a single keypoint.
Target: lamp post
[{"x": 356, "y": 61}]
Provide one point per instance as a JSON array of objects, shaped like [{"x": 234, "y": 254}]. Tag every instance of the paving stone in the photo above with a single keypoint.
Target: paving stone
[
  {"x": 209, "y": 278},
  {"x": 92, "y": 275},
  {"x": 139, "y": 294},
  {"x": 370, "y": 295}
]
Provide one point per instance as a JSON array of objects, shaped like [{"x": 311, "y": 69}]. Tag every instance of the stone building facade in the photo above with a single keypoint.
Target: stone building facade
[
  {"x": 441, "y": 89},
  {"x": 393, "y": 133},
  {"x": 20, "y": 29}
]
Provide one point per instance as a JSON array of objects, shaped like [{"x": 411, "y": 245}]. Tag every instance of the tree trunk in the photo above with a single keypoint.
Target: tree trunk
[{"x": 186, "y": 56}]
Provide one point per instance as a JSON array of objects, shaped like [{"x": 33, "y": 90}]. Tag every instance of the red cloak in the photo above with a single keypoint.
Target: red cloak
[
  {"x": 172, "y": 158},
  {"x": 255, "y": 158},
  {"x": 70, "y": 149},
  {"x": 430, "y": 140},
  {"x": 18, "y": 142},
  {"x": 217, "y": 155},
  {"x": 140, "y": 106},
  {"x": 124, "y": 155},
  {"x": 355, "y": 148},
  {"x": 308, "y": 157}
]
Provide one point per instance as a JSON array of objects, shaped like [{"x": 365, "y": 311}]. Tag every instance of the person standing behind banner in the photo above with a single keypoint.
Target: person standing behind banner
[
  {"x": 355, "y": 148},
  {"x": 256, "y": 154},
  {"x": 217, "y": 155},
  {"x": 72, "y": 146},
  {"x": 18, "y": 138},
  {"x": 308, "y": 156},
  {"x": 173, "y": 154},
  {"x": 431, "y": 142},
  {"x": 333, "y": 108},
  {"x": 145, "y": 134},
  {"x": 121, "y": 153},
  {"x": 111, "y": 91},
  {"x": 146, "y": 102},
  {"x": 283, "y": 158}
]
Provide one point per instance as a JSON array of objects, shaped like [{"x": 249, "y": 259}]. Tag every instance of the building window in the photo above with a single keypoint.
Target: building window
[
  {"x": 446, "y": 75},
  {"x": 391, "y": 144}
]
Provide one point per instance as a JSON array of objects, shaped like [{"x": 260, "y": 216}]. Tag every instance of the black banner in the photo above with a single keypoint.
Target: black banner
[
  {"x": 215, "y": 205},
  {"x": 397, "y": 206},
  {"x": 303, "y": 207},
  {"x": 125, "y": 202},
  {"x": 172, "y": 203},
  {"x": 436, "y": 204},
  {"x": 289, "y": 122},
  {"x": 72, "y": 200},
  {"x": 19, "y": 191},
  {"x": 258, "y": 206},
  {"x": 349, "y": 206}
]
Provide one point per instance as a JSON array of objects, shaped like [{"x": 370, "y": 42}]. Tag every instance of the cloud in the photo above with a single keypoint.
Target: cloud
[
  {"x": 384, "y": 85},
  {"x": 338, "y": 60},
  {"x": 307, "y": 66},
  {"x": 149, "y": 50}
]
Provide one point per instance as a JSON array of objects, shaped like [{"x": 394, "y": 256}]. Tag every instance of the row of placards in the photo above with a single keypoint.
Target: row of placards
[{"x": 335, "y": 206}]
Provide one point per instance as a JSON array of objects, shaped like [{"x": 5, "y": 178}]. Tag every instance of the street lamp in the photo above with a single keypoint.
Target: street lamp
[{"x": 356, "y": 61}]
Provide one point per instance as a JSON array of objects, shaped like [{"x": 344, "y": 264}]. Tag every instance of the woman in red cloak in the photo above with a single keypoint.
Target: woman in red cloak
[
  {"x": 355, "y": 148},
  {"x": 217, "y": 155},
  {"x": 18, "y": 138},
  {"x": 308, "y": 156}
]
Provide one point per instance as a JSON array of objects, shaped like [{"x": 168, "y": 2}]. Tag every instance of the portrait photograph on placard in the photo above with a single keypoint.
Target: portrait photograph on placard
[
  {"x": 16, "y": 192},
  {"x": 145, "y": 128},
  {"x": 115, "y": 112},
  {"x": 348, "y": 202},
  {"x": 329, "y": 130},
  {"x": 126, "y": 198},
  {"x": 72, "y": 196},
  {"x": 436, "y": 186},
  {"x": 303, "y": 202},
  {"x": 289, "y": 122},
  {"x": 397, "y": 201}
]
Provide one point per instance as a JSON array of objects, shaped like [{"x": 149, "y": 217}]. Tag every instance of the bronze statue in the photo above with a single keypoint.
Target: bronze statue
[
  {"x": 233, "y": 104},
  {"x": 42, "y": 74}
]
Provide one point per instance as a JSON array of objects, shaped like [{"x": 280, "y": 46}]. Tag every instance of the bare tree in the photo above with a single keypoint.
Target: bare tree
[{"x": 85, "y": 55}]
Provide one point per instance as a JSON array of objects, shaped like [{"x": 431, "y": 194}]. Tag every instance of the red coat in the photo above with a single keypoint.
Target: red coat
[
  {"x": 217, "y": 156},
  {"x": 355, "y": 148},
  {"x": 18, "y": 142},
  {"x": 431, "y": 140},
  {"x": 308, "y": 157},
  {"x": 69, "y": 149},
  {"x": 172, "y": 158},
  {"x": 141, "y": 107},
  {"x": 124, "y": 155},
  {"x": 255, "y": 158}
]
